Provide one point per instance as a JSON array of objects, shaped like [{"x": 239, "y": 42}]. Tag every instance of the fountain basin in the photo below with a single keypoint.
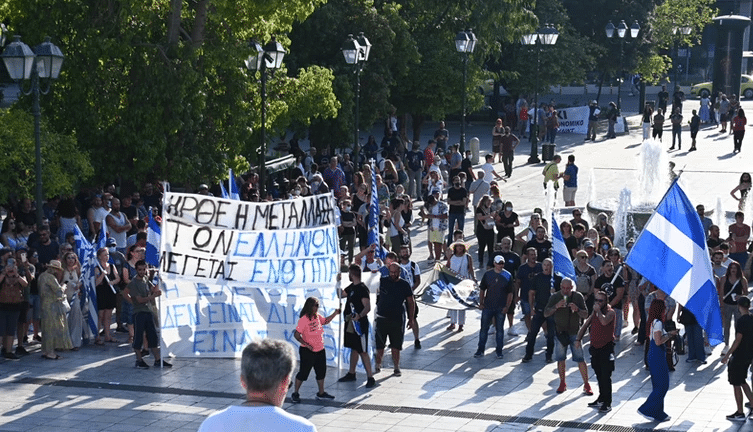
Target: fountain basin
[{"x": 639, "y": 215}]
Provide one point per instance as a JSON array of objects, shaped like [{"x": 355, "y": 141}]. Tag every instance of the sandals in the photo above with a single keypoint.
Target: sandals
[{"x": 46, "y": 357}]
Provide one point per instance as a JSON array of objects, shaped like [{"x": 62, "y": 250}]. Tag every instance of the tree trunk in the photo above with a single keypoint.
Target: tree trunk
[
  {"x": 199, "y": 24},
  {"x": 418, "y": 122},
  {"x": 173, "y": 27}
]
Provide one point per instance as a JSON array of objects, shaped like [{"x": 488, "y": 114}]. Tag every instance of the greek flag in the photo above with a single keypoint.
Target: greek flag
[
  {"x": 233, "y": 187},
  {"x": 563, "y": 265},
  {"x": 87, "y": 256},
  {"x": 373, "y": 237},
  {"x": 224, "y": 191},
  {"x": 152, "y": 241},
  {"x": 671, "y": 253}
]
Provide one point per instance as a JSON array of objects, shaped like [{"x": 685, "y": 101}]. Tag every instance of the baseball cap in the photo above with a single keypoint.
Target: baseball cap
[
  {"x": 588, "y": 244},
  {"x": 111, "y": 242},
  {"x": 499, "y": 259}
]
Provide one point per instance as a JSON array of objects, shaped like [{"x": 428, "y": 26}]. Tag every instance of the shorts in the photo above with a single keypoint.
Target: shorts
[
  {"x": 8, "y": 323},
  {"x": 560, "y": 352},
  {"x": 24, "y": 312},
  {"x": 310, "y": 359},
  {"x": 144, "y": 322},
  {"x": 525, "y": 307},
  {"x": 126, "y": 313},
  {"x": 359, "y": 344},
  {"x": 392, "y": 329},
  {"x": 737, "y": 370},
  {"x": 436, "y": 236},
  {"x": 35, "y": 305},
  {"x": 569, "y": 193},
  {"x": 495, "y": 147}
]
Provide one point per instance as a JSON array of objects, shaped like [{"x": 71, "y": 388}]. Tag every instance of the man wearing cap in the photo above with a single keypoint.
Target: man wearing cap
[
  {"x": 495, "y": 299},
  {"x": 415, "y": 162},
  {"x": 594, "y": 259}
]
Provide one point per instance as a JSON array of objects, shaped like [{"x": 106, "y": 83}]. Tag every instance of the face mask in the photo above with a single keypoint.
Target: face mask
[
  {"x": 111, "y": 249},
  {"x": 347, "y": 208},
  {"x": 605, "y": 247},
  {"x": 314, "y": 185},
  {"x": 296, "y": 192},
  {"x": 508, "y": 208}
]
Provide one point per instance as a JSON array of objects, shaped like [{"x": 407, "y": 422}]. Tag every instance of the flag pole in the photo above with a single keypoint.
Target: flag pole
[{"x": 165, "y": 189}]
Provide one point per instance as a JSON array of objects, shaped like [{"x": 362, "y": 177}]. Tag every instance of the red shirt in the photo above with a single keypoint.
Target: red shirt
[
  {"x": 429, "y": 157},
  {"x": 738, "y": 123},
  {"x": 602, "y": 334}
]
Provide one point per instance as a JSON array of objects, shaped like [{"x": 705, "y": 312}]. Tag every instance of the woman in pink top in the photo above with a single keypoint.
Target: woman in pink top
[{"x": 310, "y": 334}]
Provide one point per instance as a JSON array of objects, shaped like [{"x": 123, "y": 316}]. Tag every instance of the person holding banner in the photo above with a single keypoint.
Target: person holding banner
[
  {"x": 106, "y": 278},
  {"x": 461, "y": 263},
  {"x": 310, "y": 334},
  {"x": 266, "y": 369},
  {"x": 357, "y": 309}
]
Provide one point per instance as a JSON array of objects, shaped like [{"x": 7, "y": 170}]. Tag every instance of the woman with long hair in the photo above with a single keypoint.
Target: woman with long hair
[
  {"x": 485, "y": 230},
  {"x": 389, "y": 175},
  {"x": 743, "y": 186},
  {"x": 604, "y": 246},
  {"x": 653, "y": 408},
  {"x": 9, "y": 236},
  {"x": 731, "y": 286},
  {"x": 106, "y": 279},
  {"x": 73, "y": 284},
  {"x": 310, "y": 334}
]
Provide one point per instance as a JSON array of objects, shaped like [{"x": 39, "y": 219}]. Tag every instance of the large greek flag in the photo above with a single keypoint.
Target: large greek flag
[
  {"x": 153, "y": 234},
  {"x": 671, "y": 253},
  {"x": 563, "y": 265},
  {"x": 87, "y": 256}
]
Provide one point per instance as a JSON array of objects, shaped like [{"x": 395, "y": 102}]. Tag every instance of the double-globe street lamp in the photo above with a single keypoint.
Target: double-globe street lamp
[
  {"x": 465, "y": 42},
  {"x": 45, "y": 61},
  {"x": 263, "y": 59},
  {"x": 356, "y": 53},
  {"x": 621, "y": 33},
  {"x": 546, "y": 35}
]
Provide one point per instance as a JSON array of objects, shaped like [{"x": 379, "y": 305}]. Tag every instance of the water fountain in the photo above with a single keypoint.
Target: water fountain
[{"x": 653, "y": 180}]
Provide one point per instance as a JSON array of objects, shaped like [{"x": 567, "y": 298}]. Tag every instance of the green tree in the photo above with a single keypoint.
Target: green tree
[
  {"x": 64, "y": 165},
  {"x": 158, "y": 89}
]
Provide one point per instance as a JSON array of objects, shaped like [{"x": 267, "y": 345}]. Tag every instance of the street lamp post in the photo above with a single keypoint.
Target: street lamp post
[
  {"x": 22, "y": 63},
  {"x": 465, "y": 42},
  {"x": 263, "y": 59},
  {"x": 621, "y": 33},
  {"x": 683, "y": 31},
  {"x": 356, "y": 53},
  {"x": 546, "y": 35}
]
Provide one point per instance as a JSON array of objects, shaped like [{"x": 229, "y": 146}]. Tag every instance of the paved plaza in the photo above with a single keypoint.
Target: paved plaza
[{"x": 442, "y": 386}]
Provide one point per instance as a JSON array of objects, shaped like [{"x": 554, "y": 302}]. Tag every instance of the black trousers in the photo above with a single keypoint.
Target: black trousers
[{"x": 602, "y": 362}]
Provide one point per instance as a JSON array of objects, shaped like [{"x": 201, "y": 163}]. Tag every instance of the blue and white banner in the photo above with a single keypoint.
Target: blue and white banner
[
  {"x": 443, "y": 289},
  {"x": 151, "y": 255},
  {"x": 671, "y": 253},
  {"x": 233, "y": 271},
  {"x": 563, "y": 265}
]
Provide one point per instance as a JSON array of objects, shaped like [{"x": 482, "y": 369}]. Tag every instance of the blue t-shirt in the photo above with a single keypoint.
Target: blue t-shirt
[
  {"x": 497, "y": 287},
  {"x": 572, "y": 171},
  {"x": 392, "y": 294},
  {"x": 525, "y": 275}
]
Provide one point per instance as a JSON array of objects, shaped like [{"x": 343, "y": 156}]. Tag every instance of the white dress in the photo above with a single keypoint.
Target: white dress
[
  {"x": 459, "y": 264},
  {"x": 75, "y": 315}
]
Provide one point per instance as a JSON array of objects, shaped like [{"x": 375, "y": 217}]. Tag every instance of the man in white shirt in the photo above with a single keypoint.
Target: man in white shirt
[
  {"x": 266, "y": 370},
  {"x": 489, "y": 170}
]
